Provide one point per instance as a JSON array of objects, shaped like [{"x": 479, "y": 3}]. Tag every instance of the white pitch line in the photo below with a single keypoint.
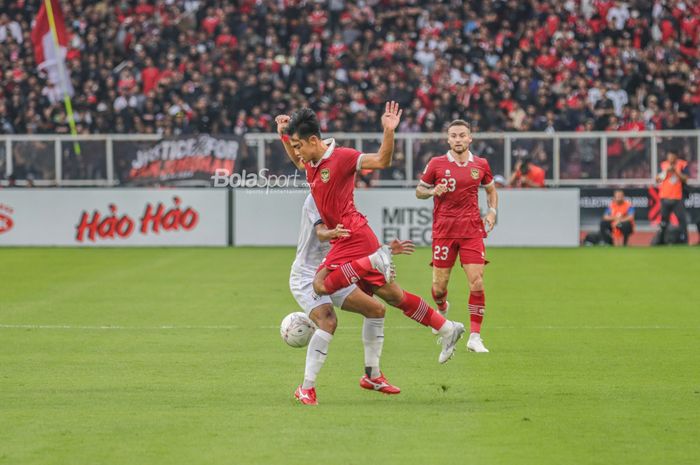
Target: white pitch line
[
  {"x": 389, "y": 327},
  {"x": 117, "y": 327}
]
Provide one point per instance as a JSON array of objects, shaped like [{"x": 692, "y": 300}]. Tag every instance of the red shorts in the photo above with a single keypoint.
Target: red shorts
[
  {"x": 471, "y": 252},
  {"x": 361, "y": 243}
]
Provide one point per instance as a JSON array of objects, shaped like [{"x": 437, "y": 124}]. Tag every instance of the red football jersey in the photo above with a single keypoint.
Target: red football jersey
[
  {"x": 456, "y": 212},
  {"x": 332, "y": 182}
]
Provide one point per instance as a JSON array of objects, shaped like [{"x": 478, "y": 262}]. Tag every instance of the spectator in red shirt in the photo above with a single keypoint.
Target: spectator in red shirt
[
  {"x": 318, "y": 19},
  {"x": 633, "y": 123},
  {"x": 149, "y": 76},
  {"x": 226, "y": 39},
  {"x": 144, "y": 8},
  {"x": 211, "y": 21}
]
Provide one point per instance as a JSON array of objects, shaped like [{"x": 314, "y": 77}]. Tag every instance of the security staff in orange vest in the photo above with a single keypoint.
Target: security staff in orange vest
[
  {"x": 527, "y": 174},
  {"x": 618, "y": 220},
  {"x": 673, "y": 175}
]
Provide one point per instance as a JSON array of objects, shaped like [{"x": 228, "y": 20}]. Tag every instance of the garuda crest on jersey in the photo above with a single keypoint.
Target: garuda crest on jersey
[
  {"x": 475, "y": 173},
  {"x": 325, "y": 175}
]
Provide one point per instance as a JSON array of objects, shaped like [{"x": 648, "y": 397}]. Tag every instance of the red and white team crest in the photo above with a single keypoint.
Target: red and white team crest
[{"x": 475, "y": 173}]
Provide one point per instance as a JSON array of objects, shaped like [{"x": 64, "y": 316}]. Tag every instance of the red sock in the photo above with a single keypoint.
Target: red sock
[
  {"x": 477, "y": 305},
  {"x": 416, "y": 309},
  {"x": 440, "y": 299},
  {"x": 347, "y": 274}
]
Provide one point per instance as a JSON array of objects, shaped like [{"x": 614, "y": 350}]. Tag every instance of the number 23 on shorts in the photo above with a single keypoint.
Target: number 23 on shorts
[{"x": 441, "y": 252}]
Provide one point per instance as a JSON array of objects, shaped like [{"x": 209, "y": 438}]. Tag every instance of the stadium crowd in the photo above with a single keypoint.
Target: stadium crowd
[{"x": 219, "y": 66}]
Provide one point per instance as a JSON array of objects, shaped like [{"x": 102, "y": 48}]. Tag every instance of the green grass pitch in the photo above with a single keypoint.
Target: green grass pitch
[{"x": 595, "y": 359}]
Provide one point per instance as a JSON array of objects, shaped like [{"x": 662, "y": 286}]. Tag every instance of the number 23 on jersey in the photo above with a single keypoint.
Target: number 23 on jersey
[{"x": 450, "y": 183}]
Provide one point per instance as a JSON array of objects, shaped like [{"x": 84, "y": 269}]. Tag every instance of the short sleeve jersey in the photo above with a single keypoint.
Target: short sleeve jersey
[
  {"x": 456, "y": 213},
  {"x": 332, "y": 182}
]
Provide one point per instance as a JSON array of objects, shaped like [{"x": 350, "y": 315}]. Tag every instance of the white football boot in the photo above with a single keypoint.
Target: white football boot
[
  {"x": 381, "y": 261},
  {"x": 449, "y": 342},
  {"x": 475, "y": 344}
]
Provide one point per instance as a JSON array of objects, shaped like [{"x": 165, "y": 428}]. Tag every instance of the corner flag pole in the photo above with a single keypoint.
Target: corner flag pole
[{"x": 61, "y": 73}]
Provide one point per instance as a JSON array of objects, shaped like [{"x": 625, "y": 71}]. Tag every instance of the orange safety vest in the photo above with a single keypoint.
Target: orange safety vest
[
  {"x": 622, "y": 209},
  {"x": 671, "y": 186}
]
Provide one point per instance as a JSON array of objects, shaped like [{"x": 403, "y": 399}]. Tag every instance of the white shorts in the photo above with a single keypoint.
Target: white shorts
[{"x": 303, "y": 291}]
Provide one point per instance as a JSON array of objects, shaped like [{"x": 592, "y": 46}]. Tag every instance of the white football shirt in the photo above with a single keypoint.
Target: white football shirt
[{"x": 310, "y": 251}]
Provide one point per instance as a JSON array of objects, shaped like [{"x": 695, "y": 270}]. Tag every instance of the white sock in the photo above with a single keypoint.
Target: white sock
[
  {"x": 373, "y": 339},
  {"x": 315, "y": 356},
  {"x": 446, "y": 328}
]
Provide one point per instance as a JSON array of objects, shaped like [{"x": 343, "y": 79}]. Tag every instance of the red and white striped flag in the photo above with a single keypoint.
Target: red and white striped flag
[{"x": 47, "y": 57}]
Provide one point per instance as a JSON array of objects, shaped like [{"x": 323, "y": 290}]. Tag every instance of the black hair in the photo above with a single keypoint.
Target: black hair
[{"x": 304, "y": 124}]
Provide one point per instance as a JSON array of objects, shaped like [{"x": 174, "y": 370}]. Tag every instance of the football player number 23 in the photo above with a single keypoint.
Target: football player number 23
[
  {"x": 451, "y": 184},
  {"x": 441, "y": 252}
]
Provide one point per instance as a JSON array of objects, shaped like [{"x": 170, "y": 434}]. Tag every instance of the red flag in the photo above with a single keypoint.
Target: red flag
[{"x": 47, "y": 57}]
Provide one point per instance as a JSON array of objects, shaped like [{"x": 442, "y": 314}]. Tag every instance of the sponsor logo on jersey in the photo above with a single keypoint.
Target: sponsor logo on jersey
[
  {"x": 325, "y": 175},
  {"x": 475, "y": 173}
]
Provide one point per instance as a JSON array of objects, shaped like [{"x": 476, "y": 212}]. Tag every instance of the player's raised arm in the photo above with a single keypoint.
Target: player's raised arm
[
  {"x": 282, "y": 123},
  {"x": 382, "y": 159}
]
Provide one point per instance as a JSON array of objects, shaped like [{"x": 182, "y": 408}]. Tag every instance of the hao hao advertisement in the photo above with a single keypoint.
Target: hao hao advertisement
[
  {"x": 110, "y": 217},
  {"x": 184, "y": 158}
]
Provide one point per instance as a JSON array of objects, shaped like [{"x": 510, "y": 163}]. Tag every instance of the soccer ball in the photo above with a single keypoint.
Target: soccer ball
[{"x": 296, "y": 329}]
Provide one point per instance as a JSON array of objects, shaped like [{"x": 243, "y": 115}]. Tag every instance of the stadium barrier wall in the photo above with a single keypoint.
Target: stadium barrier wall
[
  {"x": 547, "y": 218},
  {"x": 114, "y": 217},
  {"x": 570, "y": 159}
]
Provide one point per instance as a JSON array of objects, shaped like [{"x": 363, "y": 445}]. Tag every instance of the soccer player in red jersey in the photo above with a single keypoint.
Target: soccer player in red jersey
[
  {"x": 453, "y": 181},
  {"x": 357, "y": 257}
]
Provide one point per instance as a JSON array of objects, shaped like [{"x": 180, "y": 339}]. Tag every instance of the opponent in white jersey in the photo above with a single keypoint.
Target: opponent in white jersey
[
  {"x": 310, "y": 253},
  {"x": 311, "y": 249}
]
